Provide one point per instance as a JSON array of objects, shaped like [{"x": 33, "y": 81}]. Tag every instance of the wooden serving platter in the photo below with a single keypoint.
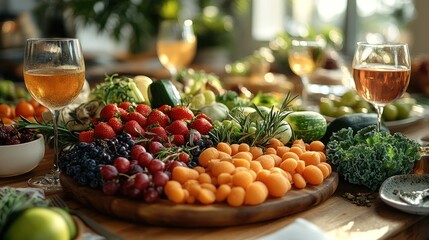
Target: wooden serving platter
[{"x": 165, "y": 213}]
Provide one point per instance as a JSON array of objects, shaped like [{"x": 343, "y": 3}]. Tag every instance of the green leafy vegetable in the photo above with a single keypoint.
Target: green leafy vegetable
[
  {"x": 117, "y": 89},
  {"x": 12, "y": 200},
  {"x": 370, "y": 157}
]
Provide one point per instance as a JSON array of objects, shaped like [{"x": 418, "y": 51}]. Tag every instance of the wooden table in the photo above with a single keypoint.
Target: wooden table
[{"x": 339, "y": 218}]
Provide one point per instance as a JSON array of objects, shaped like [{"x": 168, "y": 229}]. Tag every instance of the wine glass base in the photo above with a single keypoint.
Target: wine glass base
[{"x": 49, "y": 182}]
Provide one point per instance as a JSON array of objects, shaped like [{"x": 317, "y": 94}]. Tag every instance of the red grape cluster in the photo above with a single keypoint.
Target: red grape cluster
[
  {"x": 142, "y": 176},
  {"x": 10, "y": 135}
]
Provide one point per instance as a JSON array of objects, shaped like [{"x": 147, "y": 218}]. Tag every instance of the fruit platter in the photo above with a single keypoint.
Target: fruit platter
[
  {"x": 193, "y": 154},
  {"x": 396, "y": 115}
]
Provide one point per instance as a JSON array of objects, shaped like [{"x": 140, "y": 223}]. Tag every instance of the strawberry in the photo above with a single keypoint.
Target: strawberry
[
  {"x": 109, "y": 111},
  {"x": 86, "y": 136},
  {"x": 202, "y": 125},
  {"x": 138, "y": 117},
  {"x": 165, "y": 109},
  {"x": 95, "y": 120},
  {"x": 158, "y": 117},
  {"x": 157, "y": 134},
  {"x": 181, "y": 113},
  {"x": 202, "y": 115},
  {"x": 178, "y": 140},
  {"x": 143, "y": 109},
  {"x": 133, "y": 128},
  {"x": 178, "y": 127},
  {"x": 125, "y": 105},
  {"x": 104, "y": 131},
  {"x": 116, "y": 124}
]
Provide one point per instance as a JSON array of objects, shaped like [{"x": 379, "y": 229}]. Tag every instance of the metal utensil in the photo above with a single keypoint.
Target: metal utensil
[
  {"x": 56, "y": 201},
  {"x": 415, "y": 197}
]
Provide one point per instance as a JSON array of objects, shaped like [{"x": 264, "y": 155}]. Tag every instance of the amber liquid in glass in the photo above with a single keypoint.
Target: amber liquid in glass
[
  {"x": 176, "y": 54},
  {"x": 301, "y": 63},
  {"x": 381, "y": 84},
  {"x": 54, "y": 88}
]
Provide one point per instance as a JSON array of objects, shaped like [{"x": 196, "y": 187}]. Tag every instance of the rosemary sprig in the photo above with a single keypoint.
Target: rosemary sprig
[
  {"x": 65, "y": 136},
  {"x": 257, "y": 133}
]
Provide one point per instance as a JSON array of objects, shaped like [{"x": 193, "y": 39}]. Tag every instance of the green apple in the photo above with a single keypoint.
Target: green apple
[
  {"x": 68, "y": 218},
  {"x": 38, "y": 224}
]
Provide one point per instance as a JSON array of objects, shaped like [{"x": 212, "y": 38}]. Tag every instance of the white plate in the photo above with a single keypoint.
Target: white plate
[
  {"x": 389, "y": 192},
  {"x": 418, "y": 112}
]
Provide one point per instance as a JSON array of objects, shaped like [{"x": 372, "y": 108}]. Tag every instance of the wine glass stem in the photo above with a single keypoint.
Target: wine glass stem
[
  {"x": 173, "y": 73},
  {"x": 304, "y": 94},
  {"x": 379, "y": 110},
  {"x": 56, "y": 114}
]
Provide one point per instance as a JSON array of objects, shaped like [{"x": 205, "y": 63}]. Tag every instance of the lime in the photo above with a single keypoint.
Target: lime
[
  {"x": 349, "y": 98},
  {"x": 390, "y": 112},
  {"x": 198, "y": 101},
  {"x": 403, "y": 110},
  {"x": 209, "y": 97},
  {"x": 68, "y": 218},
  {"x": 38, "y": 224},
  {"x": 343, "y": 110},
  {"x": 326, "y": 107}
]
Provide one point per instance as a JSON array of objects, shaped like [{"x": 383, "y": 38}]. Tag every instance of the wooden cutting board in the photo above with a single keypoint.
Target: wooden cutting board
[{"x": 165, "y": 213}]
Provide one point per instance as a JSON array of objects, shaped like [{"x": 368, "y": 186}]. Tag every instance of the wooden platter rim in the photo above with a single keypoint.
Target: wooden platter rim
[{"x": 166, "y": 213}]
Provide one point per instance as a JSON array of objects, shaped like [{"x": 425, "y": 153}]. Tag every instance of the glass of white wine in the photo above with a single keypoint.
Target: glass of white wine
[
  {"x": 381, "y": 73},
  {"x": 176, "y": 45},
  {"x": 54, "y": 74},
  {"x": 304, "y": 57}
]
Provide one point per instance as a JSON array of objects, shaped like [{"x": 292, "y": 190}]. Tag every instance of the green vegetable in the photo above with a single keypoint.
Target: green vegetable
[
  {"x": 355, "y": 121},
  {"x": 163, "y": 92},
  {"x": 12, "y": 201},
  {"x": 216, "y": 111},
  {"x": 117, "y": 89},
  {"x": 307, "y": 125},
  {"x": 232, "y": 100},
  {"x": 370, "y": 157}
]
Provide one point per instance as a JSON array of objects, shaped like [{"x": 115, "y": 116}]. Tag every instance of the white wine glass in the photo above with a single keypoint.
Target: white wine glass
[
  {"x": 381, "y": 73},
  {"x": 304, "y": 57},
  {"x": 54, "y": 74},
  {"x": 176, "y": 45}
]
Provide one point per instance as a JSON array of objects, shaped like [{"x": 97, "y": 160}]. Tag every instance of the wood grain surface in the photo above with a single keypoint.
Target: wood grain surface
[{"x": 165, "y": 213}]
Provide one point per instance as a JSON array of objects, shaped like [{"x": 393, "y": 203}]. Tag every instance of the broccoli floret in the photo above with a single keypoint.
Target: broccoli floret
[{"x": 370, "y": 157}]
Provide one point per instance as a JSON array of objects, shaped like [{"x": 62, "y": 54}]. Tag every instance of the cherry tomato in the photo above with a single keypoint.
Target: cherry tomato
[
  {"x": 6, "y": 111},
  {"x": 40, "y": 110},
  {"x": 24, "y": 109}
]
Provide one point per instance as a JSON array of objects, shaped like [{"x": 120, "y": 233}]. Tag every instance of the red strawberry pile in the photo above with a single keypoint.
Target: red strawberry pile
[{"x": 166, "y": 125}]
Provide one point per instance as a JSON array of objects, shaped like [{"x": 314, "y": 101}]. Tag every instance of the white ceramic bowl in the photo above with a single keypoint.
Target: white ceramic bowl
[{"x": 21, "y": 158}]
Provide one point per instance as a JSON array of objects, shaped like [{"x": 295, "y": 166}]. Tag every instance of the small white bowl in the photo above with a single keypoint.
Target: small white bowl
[{"x": 21, "y": 158}]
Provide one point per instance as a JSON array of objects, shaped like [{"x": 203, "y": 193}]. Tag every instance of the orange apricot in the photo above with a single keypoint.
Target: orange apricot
[
  {"x": 299, "y": 181},
  {"x": 290, "y": 155},
  {"x": 324, "y": 169},
  {"x": 224, "y": 147},
  {"x": 282, "y": 150},
  {"x": 310, "y": 158},
  {"x": 207, "y": 155},
  {"x": 241, "y": 162},
  {"x": 236, "y": 196},
  {"x": 256, "y": 193},
  {"x": 312, "y": 175},
  {"x": 266, "y": 161},
  {"x": 277, "y": 184},
  {"x": 300, "y": 167},
  {"x": 242, "y": 179},
  {"x": 289, "y": 164},
  {"x": 243, "y": 147},
  {"x": 262, "y": 175},
  {"x": 317, "y": 146},
  {"x": 222, "y": 192},
  {"x": 222, "y": 167},
  {"x": 224, "y": 178},
  {"x": 234, "y": 148},
  {"x": 270, "y": 150},
  {"x": 245, "y": 155},
  {"x": 256, "y": 152},
  {"x": 206, "y": 196},
  {"x": 297, "y": 150},
  {"x": 277, "y": 159},
  {"x": 274, "y": 143},
  {"x": 255, "y": 166},
  {"x": 204, "y": 178}
]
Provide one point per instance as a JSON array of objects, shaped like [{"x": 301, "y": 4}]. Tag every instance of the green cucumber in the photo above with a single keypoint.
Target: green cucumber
[
  {"x": 355, "y": 121},
  {"x": 307, "y": 125},
  {"x": 163, "y": 92}
]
